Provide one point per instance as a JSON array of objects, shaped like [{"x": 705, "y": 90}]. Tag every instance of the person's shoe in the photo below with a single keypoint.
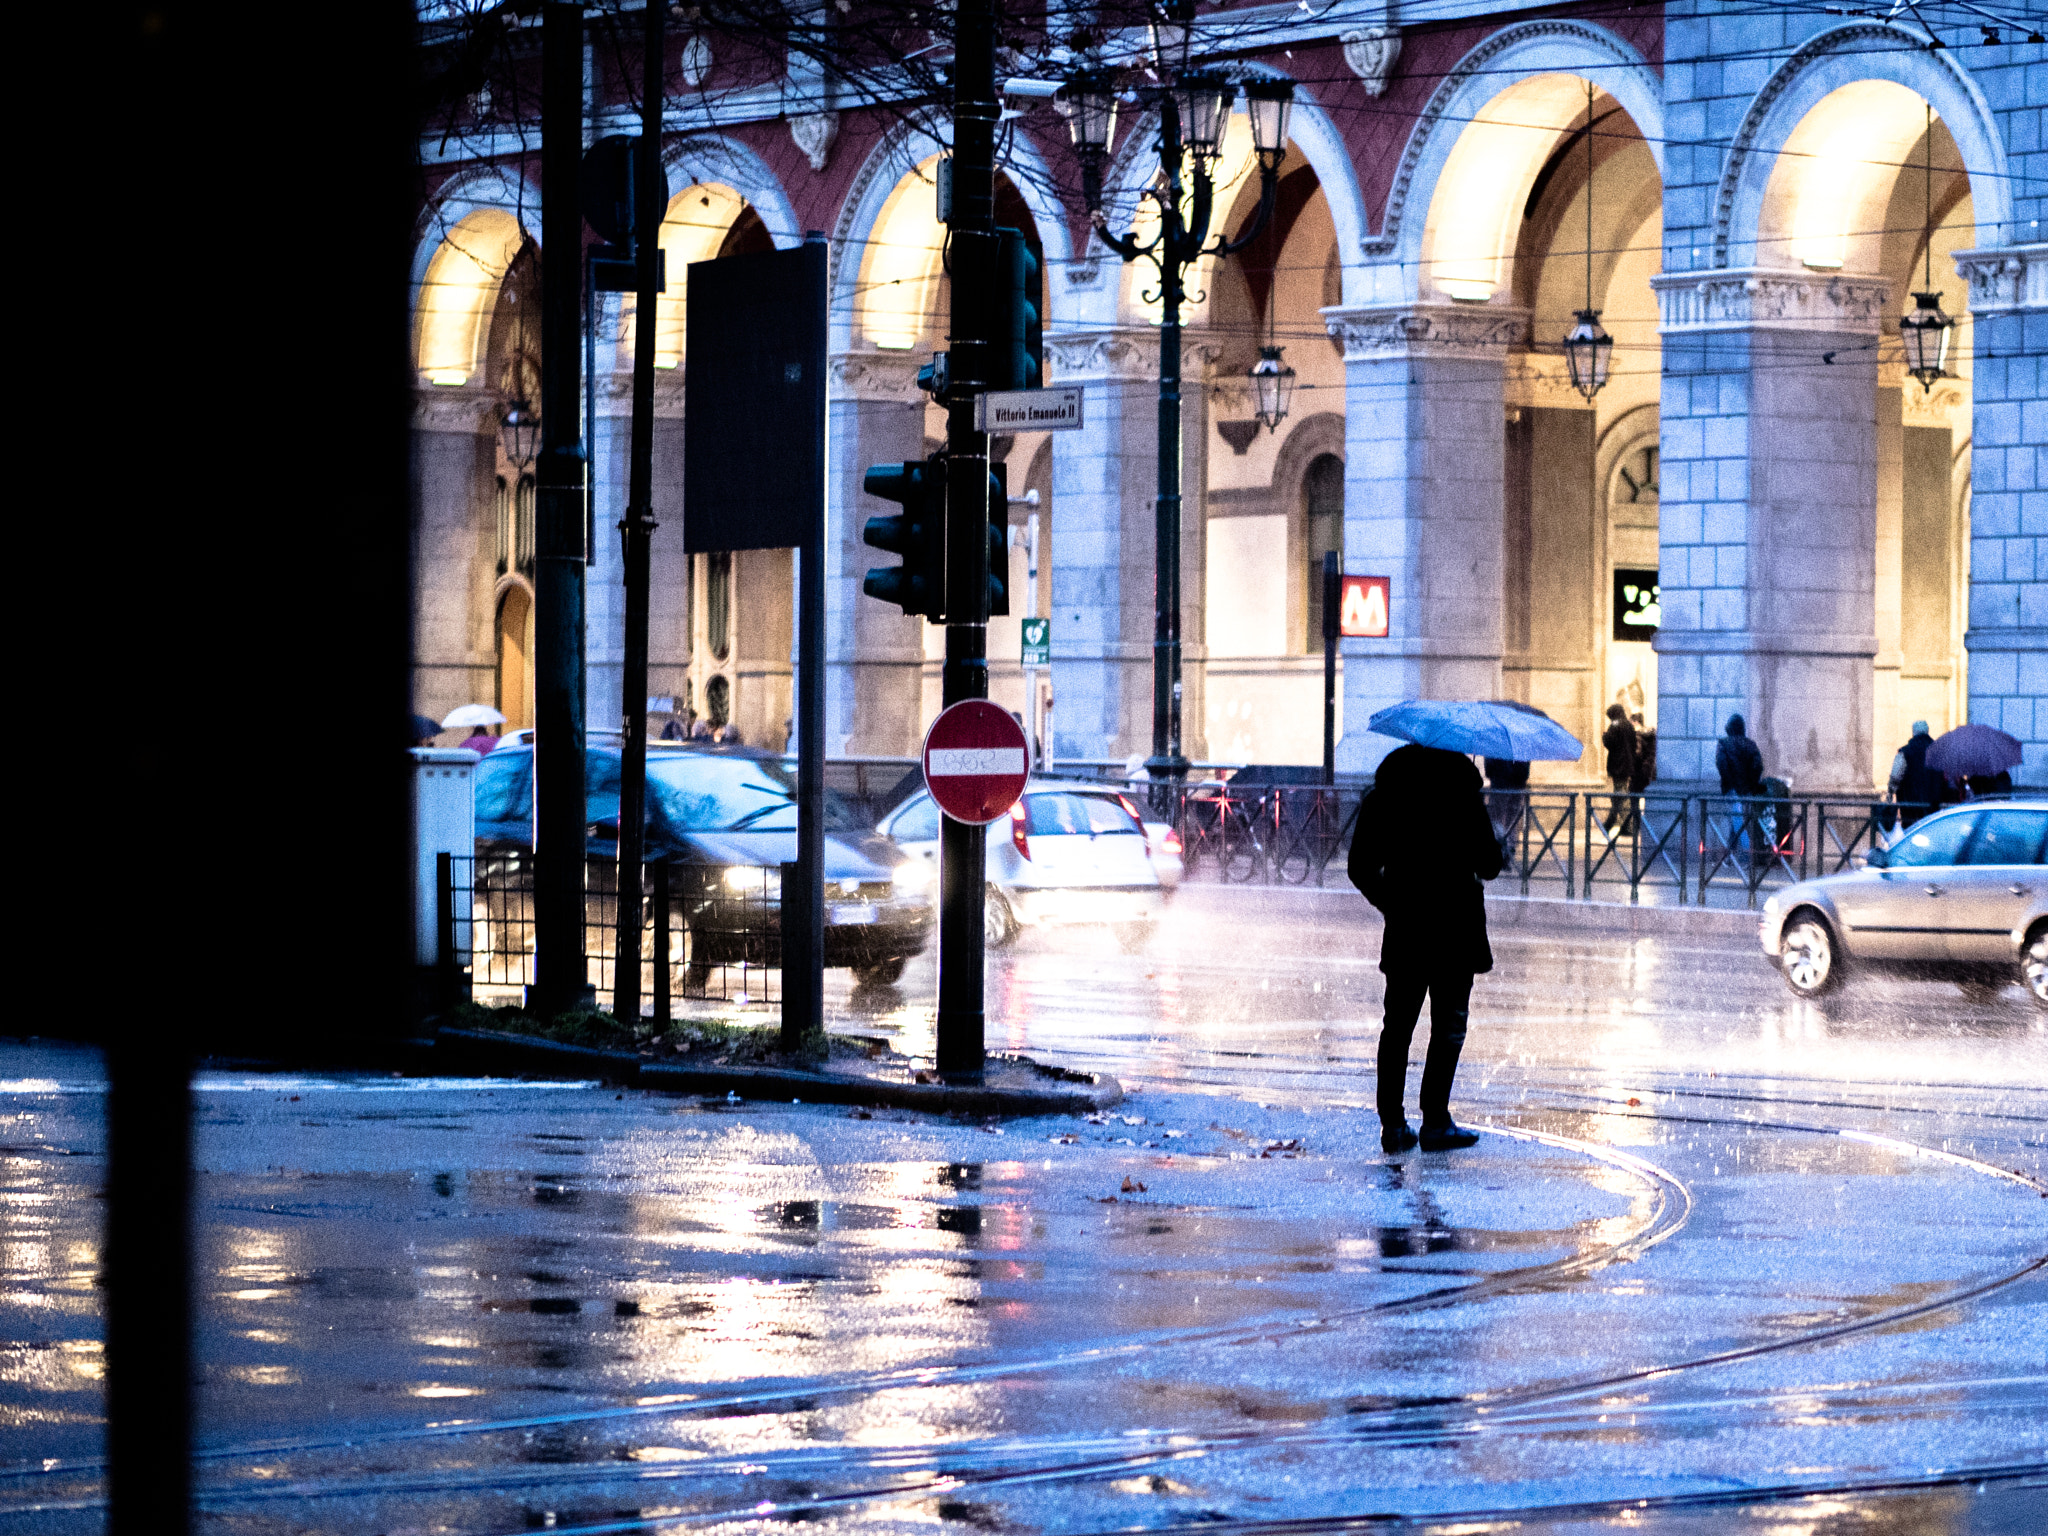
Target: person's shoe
[
  {"x": 1397, "y": 1138},
  {"x": 1448, "y": 1137}
]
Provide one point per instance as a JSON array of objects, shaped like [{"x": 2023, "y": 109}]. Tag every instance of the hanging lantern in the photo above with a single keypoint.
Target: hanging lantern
[
  {"x": 1272, "y": 386},
  {"x": 1926, "y": 332},
  {"x": 1588, "y": 353},
  {"x": 519, "y": 431},
  {"x": 1091, "y": 116}
]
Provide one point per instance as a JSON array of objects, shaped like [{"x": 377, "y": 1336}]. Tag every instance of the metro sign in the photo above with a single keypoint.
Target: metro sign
[
  {"x": 1364, "y": 607},
  {"x": 975, "y": 761}
]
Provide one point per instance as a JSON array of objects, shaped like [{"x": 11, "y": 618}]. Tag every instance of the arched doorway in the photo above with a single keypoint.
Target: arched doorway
[{"x": 514, "y": 656}]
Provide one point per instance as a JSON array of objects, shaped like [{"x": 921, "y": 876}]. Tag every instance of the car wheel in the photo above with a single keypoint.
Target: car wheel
[
  {"x": 1132, "y": 937},
  {"x": 887, "y": 974},
  {"x": 998, "y": 922},
  {"x": 2034, "y": 965},
  {"x": 1808, "y": 956}
]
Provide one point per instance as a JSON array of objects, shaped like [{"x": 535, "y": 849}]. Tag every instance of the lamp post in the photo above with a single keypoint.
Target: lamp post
[{"x": 1194, "y": 106}]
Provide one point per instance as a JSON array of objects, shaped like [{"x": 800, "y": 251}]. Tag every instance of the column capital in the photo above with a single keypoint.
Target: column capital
[
  {"x": 890, "y": 376},
  {"x": 2005, "y": 278},
  {"x": 1121, "y": 352},
  {"x": 1770, "y": 299},
  {"x": 612, "y": 393},
  {"x": 469, "y": 409},
  {"x": 1379, "y": 332}
]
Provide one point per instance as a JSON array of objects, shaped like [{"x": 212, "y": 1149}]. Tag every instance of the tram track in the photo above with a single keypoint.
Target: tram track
[{"x": 1541, "y": 1409}]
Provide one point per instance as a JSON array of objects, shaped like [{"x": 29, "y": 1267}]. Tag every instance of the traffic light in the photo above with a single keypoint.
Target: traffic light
[
  {"x": 999, "y": 540},
  {"x": 1020, "y": 296},
  {"x": 917, "y": 533}
]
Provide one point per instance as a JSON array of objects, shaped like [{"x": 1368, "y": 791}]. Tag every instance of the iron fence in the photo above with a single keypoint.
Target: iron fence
[
  {"x": 707, "y": 934},
  {"x": 1686, "y": 849}
]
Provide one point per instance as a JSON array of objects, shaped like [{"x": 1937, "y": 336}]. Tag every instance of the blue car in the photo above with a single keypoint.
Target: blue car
[{"x": 724, "y": 822}]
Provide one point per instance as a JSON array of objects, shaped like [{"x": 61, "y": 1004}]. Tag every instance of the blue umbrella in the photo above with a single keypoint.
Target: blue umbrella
[{"x": 1487, "y": 728}]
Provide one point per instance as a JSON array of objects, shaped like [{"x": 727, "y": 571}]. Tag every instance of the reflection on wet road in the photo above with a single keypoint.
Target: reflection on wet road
[{"x": 1720, "y": 1242}]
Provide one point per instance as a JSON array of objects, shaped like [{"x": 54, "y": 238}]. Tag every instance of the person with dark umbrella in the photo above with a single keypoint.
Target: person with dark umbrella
[{"x": 1422, "y": 845}]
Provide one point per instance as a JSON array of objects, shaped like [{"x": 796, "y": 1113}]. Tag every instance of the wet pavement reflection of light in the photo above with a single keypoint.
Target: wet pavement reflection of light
[{"x": 696, "y": 1311}]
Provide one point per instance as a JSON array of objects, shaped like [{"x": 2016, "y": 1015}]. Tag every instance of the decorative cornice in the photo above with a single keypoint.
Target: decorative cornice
[
  {"x": 873, "y": 376},
  {"x": 1764, "y": 298},
  {"x": 2014, "y": 277},
  {"x": 1372, "y": 53},
  {"x": 814, "y": 133},
  {"x": 464, "y": 408},
  {"x": 1540, "y": 381},
  {"x": 612, "y": 393},
  {"x": 1476, "y": 63},
  {"x": 1126, "y": 353},
  {"x": 1378, "y": 332}
]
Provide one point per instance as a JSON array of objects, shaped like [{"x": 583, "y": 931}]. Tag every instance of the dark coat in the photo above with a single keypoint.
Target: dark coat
[
  {"x": 1740, "y": 762},
  {"x": 1646, "y": 762},
  {"x": 1620, "y": 741},
  {"x": 1422, "y": 845}
]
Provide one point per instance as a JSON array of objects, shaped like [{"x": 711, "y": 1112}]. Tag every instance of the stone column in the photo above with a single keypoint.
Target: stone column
[
  {"x": 1768, "y": 521},
  {"x": 1105, "y": 482},
  {"x": 2007, "y": 638},
  {"x": 1423, "y": 495},
  {"x": 610, "y": 448},
  {"x": 874, "y": 653},
  {"x": 454, "y": 473}
]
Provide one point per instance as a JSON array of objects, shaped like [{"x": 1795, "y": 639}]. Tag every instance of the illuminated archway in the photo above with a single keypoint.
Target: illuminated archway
[{"x": 456, "y": 295}]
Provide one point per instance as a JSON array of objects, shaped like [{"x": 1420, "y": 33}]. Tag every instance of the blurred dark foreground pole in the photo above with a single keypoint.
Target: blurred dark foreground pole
[{"x": 257, "y": 602}]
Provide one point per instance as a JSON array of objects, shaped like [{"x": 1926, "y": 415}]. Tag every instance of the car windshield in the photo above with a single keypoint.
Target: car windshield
[
  {"x": 704, "y": 792},
  {"x": 1938, "y": 840}
]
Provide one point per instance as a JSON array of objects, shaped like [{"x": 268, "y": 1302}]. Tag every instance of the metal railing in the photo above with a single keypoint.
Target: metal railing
[
  {"x": 1582, "y": 845},
  {"x": 708, "y": 935}
]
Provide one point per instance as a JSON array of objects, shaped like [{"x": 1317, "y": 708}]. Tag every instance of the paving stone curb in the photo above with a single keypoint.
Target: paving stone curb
[{"x": 1012, "y": 1086}]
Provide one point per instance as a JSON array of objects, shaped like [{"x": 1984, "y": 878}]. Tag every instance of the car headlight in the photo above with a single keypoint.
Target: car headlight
[
  {"x": 754, "y": 880},
  {"x": 912, "y": 879}
]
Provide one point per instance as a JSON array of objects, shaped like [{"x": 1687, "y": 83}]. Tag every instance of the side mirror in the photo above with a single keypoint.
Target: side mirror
[{"x": 1877, "y": 858}]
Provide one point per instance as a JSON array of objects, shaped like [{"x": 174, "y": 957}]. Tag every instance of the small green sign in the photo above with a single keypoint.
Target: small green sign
[{"x": 1037, "y": 642}]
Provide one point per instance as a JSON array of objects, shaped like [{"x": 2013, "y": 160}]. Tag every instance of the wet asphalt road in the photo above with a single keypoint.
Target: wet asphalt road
[{"x": 1717, "y": 1242}]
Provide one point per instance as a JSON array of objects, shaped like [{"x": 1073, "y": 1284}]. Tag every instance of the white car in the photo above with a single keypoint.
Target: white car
[{"x": 1065, "y": 854}]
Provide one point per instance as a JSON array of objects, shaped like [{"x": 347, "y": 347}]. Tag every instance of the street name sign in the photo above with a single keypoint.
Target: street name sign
[
  {"x": 1037, "y": 638},
  {"x": 975, "y": 761},
  {"x": 1029, "y": 410}
]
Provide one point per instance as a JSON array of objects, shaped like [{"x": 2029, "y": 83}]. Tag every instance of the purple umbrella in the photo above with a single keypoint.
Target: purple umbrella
[{"x": 1974, "y": 751}]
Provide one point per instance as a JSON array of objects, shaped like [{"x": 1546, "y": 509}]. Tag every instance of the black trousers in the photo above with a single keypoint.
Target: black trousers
[{"x": 1450, "y": 1000}]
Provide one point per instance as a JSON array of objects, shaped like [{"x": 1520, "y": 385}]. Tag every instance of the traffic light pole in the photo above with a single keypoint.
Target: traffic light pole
[
  {"x": 560, "y": 977},
  {"x": 970, "y": 363},
  {"x": 637, "y": 527}
]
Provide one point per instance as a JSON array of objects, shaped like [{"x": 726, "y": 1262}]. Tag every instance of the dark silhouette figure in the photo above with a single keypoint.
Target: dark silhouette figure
[
  {"x": 1738, "y": 760},
  {"x": 1646, "y": 757},
  {"x": 1620, "y": 741},
  {"x": 1915, "y": 786},
  {"x": 1422, "y": 845}
]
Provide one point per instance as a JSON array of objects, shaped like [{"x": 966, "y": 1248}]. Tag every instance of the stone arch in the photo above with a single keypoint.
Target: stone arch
[
  {"x": 1865, "y": 54},
  {"x": 466, "y": 243},
  {"x": 1503, "y": 67},
  {"x": 896, "y": 155},
  {"x": 728, "y": 163}
]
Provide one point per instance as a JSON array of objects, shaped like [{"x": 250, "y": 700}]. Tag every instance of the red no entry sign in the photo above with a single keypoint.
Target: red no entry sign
[{"x": 975, "y": 760}]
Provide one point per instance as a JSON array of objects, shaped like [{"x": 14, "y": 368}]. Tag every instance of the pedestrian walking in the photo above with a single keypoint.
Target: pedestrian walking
[
  {"x": 481, "y": 742},
  {"x": 1422, "y": 845},
  {"x": 1916, "y": 788},
  {"x": 1646, "y": 757},
  {"x": 1740, "y": 763},
  {"x": 1506, "y": 780},
  {"x": 1620, "y": 741}
]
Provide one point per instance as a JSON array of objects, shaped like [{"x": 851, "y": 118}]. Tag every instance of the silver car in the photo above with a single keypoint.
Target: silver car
[
  {"x": 1962, "y": 895},
  {"x": 1066, "y": 854}
]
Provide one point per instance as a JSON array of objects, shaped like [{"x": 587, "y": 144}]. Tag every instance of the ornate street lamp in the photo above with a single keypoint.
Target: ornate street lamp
[
  {"x": 519, "y": 431},
  {"x": 1194, "y": 108},
  {"x": 1926, "y": 330},
  {"x": 1588, "y": 353},
  {"x": 1272, "y": 384},
  {"x": 1588, "y": 349}
]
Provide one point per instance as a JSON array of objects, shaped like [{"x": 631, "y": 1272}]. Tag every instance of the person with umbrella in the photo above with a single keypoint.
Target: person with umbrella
[
  {"x": 1422, "y": 844},
  {"x": 477, "y": 717},
  {"x": 1980, "y": 757}
]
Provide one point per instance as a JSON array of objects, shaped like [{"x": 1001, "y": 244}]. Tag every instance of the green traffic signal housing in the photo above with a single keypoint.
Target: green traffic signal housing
[
  {"x": 1019, "y": 332},
  {"x": 998, "y": 540},
  {"x": 918, "y": 534}
]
